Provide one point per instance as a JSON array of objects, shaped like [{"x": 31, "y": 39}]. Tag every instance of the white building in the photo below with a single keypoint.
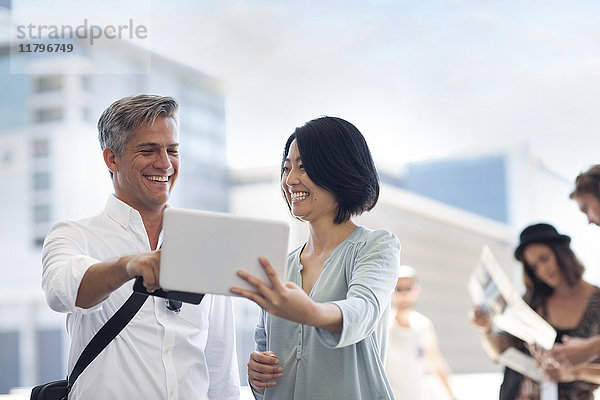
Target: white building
[{"x": 52, "y": 168}]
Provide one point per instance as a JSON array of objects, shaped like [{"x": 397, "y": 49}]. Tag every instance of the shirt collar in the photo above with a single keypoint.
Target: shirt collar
[
  {"x": 125, "y": 215},
  {"x": 121, "y": 212}
]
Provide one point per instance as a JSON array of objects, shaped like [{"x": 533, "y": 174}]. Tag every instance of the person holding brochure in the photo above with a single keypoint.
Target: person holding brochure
[
  {"x": 164, "y": 352},
  {"x": 323, "y": 334},
  {"x": 556, "y": 291}
]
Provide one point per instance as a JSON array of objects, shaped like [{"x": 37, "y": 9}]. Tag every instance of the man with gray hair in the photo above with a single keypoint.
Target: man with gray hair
[{"x": 89, "y": 267}]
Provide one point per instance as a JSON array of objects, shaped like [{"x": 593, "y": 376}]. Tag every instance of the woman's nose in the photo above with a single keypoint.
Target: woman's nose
[{"x": 292, "y": 178}]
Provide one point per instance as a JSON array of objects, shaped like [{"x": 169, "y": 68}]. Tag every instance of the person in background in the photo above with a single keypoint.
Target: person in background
[
  {"x": 587, "y": 194},
  {"x": 322, "y": 334},
  {"x": 89, "y": 267},
  {"x": 412, "y": 343},
  {"x": 574, "y": 352},
  {"x": 556, "y": 290}
]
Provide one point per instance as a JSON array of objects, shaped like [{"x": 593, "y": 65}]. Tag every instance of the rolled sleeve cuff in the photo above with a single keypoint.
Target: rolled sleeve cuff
[
  {"x": 331, "y": 339},
  {"x": 71, "y": 280}
]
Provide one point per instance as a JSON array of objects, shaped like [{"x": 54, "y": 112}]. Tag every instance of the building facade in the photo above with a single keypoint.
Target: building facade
[{"x": 53, "y": 169}]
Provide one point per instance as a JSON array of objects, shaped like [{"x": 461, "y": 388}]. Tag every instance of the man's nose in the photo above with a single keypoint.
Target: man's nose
[{"x": 162, "y": 161}]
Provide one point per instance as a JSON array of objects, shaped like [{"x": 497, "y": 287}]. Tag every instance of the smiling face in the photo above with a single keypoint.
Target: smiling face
[
  {"x": 543, "y": 263},
  {"x": 144, "y": 175},
  {"x": 307, "y": 201},
  {"x": 590, "y": 206}
]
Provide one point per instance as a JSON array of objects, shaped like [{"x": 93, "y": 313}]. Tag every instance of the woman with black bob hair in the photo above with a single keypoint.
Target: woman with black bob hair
[
  {"x": 322, "y": 334},
  {"x": 336, "y": 157},
  {"x": 555, "y": 289}
]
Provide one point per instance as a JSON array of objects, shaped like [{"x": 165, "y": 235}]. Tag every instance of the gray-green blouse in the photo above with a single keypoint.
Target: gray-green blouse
[{"x": 359, "y": 277}]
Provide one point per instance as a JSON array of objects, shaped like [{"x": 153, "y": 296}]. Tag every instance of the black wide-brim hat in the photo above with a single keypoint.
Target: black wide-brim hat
[{"x": 539, "y": 233}]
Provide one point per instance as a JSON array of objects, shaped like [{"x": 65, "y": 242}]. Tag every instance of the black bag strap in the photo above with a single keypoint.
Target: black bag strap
[{"x": 106, "y": 334}]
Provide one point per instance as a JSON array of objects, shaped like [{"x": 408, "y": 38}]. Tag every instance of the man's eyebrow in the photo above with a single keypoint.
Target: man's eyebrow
[{"x": 154, "y": 144}]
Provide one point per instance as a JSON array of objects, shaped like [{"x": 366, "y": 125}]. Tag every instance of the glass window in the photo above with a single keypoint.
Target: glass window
[
  {"x": 49, "y": 355},
  {"x": 40, "y": 148},
  {"x": 9, "y": 362},
  {"x": 41, "y": 180},
  {"x": 86, "y": 115},
  {"x": 41, "y": 213},
  {"x": 14, "y": 88},
  {"x": 48, "y": 114},
  {"x": 48, "y": 83},
  {"x": 86, "y": 83},
  {"x": 6, "y": 157}
]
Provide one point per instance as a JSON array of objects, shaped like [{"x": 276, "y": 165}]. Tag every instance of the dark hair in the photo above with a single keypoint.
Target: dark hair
[
  {"x": 336, "y": 157},
  {"x": 537, "y": 292},
  {"x": 588, "y": 182}
]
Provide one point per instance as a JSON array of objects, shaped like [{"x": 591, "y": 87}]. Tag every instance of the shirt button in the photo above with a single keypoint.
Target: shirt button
[
  {"x": 167, "y": 350},
  {"x": 172, "y": 392}
]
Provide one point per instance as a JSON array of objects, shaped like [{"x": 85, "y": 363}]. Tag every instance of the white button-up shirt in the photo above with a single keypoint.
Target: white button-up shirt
[{"x": 160, "y": 354}]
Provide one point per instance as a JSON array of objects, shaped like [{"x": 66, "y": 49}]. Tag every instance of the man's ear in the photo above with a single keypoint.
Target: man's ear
[{"x": 110, "y": 158}]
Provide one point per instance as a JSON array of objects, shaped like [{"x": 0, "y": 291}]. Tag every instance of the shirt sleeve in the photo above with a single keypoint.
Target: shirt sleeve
[
  {"x": 221, "y": 351},
  {"x": 260, "y": 338},
  {"x": 371, "y": 284},
  {"x": 260, "y": 333},
  {"x": 64, "y": 264}
]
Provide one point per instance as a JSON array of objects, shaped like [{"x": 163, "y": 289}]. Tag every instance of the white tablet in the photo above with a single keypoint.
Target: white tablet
[{"x": 203, "y": 250}]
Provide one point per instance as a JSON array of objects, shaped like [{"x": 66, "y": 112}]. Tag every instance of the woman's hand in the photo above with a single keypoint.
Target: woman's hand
[
  {"x": 575, "y": 351},
  {"x": 481, "y": 320},
  {"x": 560, "y": 373},
  {"x": 289, "y": 301},
  {"x": 283, "y": 300},
  {"x": 553, "y": 370},
  {"x": 263, "y": 369}
]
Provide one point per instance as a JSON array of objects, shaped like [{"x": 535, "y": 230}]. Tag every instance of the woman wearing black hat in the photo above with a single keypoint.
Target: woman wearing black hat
[{"x": 555, "y": 290}]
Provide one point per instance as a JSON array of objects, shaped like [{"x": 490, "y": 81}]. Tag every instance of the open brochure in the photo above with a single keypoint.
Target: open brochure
[
  {"x": 526, "y": 365},
  {"x": 522, "y": 363},
  {"x": 491, "y": 290}
]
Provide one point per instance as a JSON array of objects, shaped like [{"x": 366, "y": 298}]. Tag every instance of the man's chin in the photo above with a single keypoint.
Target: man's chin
[{"x": 159, "y": 200}]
